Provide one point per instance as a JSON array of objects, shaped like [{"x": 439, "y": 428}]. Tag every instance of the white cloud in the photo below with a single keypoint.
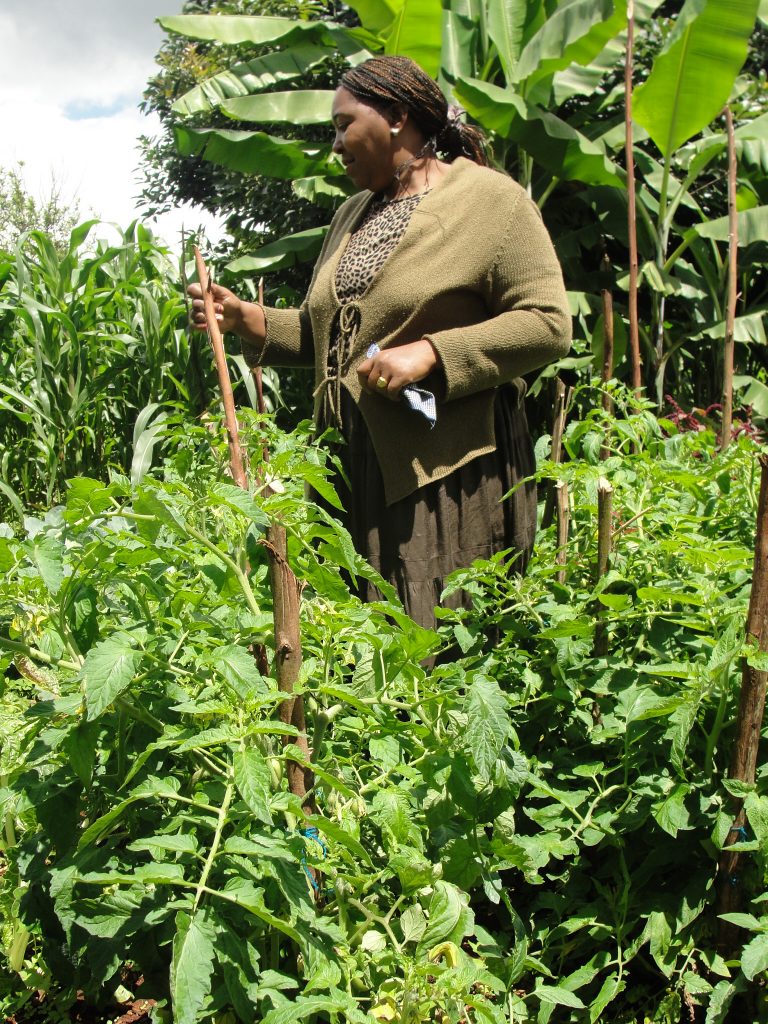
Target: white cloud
[{"x": 71, "y": 78}]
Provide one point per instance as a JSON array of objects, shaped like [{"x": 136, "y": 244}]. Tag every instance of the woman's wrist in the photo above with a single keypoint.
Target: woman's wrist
[{"x": 251, "y": 323}]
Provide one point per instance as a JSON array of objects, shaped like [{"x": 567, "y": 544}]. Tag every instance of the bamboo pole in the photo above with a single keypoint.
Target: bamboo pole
[
  {"x": 634, "y": 331},
  {"x": 749, "y": 720},
  {"x": 562, "y": 398},
  {"x": 285, "y": 586},
  {"x": 563, "y": 523},
  {"x": 730, "y": 316}
]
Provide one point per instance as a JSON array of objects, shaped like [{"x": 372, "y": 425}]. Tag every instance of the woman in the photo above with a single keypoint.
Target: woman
[{"x": 439, "y": 273}]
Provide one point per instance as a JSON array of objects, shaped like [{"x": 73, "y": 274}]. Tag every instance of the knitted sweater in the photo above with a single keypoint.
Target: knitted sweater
[{"x": 476, "y": 274}]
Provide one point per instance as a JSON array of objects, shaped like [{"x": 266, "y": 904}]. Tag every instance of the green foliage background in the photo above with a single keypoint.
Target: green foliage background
[{"x": 520, "y": 814}]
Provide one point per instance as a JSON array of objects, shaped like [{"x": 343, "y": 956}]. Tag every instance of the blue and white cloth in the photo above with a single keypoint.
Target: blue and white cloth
[{"x": 420, "y": 400}]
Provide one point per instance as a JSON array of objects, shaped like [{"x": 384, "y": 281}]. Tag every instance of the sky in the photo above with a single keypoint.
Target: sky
[{"x": 72, "y": 73}]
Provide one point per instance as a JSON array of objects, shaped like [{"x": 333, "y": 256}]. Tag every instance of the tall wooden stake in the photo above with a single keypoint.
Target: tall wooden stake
[
  {"x": 607, "y": 368},
  {"x": 733, "y": 258},
  {"x": 225, "y": 385},
  {"x": 634, "y": 330},
  {"x": 604, "y": 534},
  {"x": 285, "y": 586},
  {"x": 562, "y": 397},
  {"x": 563, "y": 524},
  {"x": 749, "y": 719}
]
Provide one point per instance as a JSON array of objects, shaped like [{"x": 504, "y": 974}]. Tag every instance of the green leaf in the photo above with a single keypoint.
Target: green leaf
[
  {"x": 376, "y": 15},
  {"x": 413, "y": 923},
  {"x": 751, "y": 225},
  {"x": 238, "y": 668},
  {"x": 257, "y": 153},
  {"x": 754, "y": 957},
  {"x": 719, "y": 1002},
  {"x": 145, "y": 436},
  {"x": 506, "y": 29},
  {"x": 555, "y": 145},
  {"x": 303, "y": 106},
  {"x": 416, "y": 32},
  {"x": 610, "y": 988},
  {"x": 232, "y": 29},
  {"x": 392, "y": 808},
  {"x": 338, "y": 834},
  {"x": 251, "y": 76},
  {"x": 558, "y": 996},
  {"x": 236, "y": 498},
  {"x": 180, "y": 843},
  {"x": 48, "y": 555},
  {"x": 253, "y": 781},
  {"x": 692, "y": 77},
  {"x": 756, "y": 809},
  {"x": 108, "y": 671},
  {"x": 460, "y": 40},
  {"x": 658, "y": 934},
  {"x": 445, "y": 913},
  {"x": 285, "y": 252},
  {"x": 575, "y": 33},
  {"x": 487, "y": 723},
  {"x": 336, "y": 1006},
  {"x": 672, "y": 815},
  {"x": 80, "y": 748},
  {"x": 191, "y": 966}
]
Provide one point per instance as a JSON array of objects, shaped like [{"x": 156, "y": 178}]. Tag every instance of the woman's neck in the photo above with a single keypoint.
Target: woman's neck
[{"x": 415, "y": 175}]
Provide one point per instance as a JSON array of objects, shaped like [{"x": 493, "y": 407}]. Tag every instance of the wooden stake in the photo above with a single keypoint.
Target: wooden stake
[
  {"x": 604, "y": 534},
  {"x": 225, "y": 384},
  {"x": 257, "y": 374},
  {"x": 285, "y": 586},
  {"x": 749, "y": 720},
  {"x": 604, "y": 524},
  {"x": 634, "y": 331},
  {"x": 733, "y": 258},
  {"x": 562, "y": 398},
  {"x": 563, "y": 523},
  {"x": 607, "y": 369}
]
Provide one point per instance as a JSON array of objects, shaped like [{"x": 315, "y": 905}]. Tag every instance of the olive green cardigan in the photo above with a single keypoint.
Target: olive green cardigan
[{"x": 475, "y": 273}]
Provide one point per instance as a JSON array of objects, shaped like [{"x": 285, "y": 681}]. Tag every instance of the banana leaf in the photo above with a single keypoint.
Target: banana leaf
[
  {"x": 553, "y": 144},
  {"x": 250, "y": 77},
  {"x": 303, "y": 106},
  {"x": 416, "y": 32},
  {"x": 575, "y": 34},
  {"x": 257, "y": 153},
  {"x": 692, "y": 77},
  {"x": 285, "y": 252}
]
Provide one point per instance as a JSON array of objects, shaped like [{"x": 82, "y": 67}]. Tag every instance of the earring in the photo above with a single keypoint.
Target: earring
[{"x": 394, "y": 131}]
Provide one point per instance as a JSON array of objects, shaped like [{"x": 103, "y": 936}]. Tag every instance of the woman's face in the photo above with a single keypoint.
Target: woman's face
[{"x": 363, "y": 141}]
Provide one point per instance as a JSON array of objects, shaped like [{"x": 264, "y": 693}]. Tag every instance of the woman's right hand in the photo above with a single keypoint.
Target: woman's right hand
[{"x": 226, "y": 306}]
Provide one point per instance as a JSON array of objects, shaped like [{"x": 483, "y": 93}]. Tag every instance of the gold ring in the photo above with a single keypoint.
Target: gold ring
[{"x": 382, "y": 383}]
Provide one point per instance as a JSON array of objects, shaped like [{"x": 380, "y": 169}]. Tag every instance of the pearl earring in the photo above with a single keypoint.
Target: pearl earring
[{"x": 394, "y": 131}]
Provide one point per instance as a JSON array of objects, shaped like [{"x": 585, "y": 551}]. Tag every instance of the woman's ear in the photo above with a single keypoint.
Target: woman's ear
[{"x": 397, "y": 117}]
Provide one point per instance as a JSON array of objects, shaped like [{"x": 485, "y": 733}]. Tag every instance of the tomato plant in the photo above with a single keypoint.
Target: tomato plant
[{"x": 512, "y": 825}]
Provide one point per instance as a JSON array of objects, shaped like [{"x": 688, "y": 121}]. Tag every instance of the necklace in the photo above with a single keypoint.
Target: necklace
[{"x": 397, "y": 177}]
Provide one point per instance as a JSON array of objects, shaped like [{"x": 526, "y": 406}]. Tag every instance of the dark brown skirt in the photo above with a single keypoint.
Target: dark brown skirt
[{"x": 445, "y": 525}]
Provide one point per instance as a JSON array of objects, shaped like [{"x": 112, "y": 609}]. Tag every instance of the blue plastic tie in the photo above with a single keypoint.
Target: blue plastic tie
[
  {"x": 742, "y": 833},
  {"x": 311, "y": 832}
]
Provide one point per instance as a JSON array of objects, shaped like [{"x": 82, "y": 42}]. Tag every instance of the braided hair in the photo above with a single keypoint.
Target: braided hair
[{"x": 386, "y": 82}]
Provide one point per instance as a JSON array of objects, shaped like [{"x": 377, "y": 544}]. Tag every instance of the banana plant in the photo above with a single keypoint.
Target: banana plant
[
  {"x": 504, "y": 61},
  {"x": 689, "y": 84}
]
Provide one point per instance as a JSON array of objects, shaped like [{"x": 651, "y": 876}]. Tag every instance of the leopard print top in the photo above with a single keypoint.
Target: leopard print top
[
  {"x": 366, "y": 252},
  {"x": 372, "y": 243}
]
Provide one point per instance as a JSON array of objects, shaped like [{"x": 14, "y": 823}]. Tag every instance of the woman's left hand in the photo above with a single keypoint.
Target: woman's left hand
[{"x": 388, "y": 372}]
